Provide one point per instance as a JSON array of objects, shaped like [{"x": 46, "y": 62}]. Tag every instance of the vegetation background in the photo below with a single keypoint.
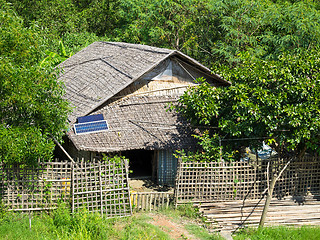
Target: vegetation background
[
  {"x": 268, "y": 49},
  {"x": 243, "y": 40}
]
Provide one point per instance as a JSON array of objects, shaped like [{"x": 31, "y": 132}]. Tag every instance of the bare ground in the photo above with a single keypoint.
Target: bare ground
[
  {"x": 173, "y": 229},
  {"x": 146, "y": 185}
]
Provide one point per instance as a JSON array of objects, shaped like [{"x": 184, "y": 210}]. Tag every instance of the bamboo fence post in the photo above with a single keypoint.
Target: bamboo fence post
[
  {"x": 126, "y": 165},
  {"x": 72, "y": 187},
  {"x": 100, "y": 184},
  {"x": 177, "y": 183}
]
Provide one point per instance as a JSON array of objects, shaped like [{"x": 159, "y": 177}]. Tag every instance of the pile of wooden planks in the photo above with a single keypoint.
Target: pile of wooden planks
[{"x": 233, "y": 215}]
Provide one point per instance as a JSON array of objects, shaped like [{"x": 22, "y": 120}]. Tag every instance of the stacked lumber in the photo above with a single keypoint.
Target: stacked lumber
[{"x": 232, "y": 215}]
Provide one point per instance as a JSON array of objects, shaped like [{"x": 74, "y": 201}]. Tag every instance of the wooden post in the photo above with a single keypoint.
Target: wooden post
[
  {"x": 30, "y": 220},
  {"x": 220, "y": 146},
  {"x": 65, "y": 152},
  {"x": 150, "y": 203}
]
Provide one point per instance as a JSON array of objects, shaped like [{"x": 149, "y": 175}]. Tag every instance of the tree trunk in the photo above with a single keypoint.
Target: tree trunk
[
  {"x": 267, "y": 203},
  {"x": 270, "y": 192}
]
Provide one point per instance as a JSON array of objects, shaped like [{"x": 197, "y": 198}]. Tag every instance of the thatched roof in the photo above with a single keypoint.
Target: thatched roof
[
  {"x": 103, "y": 69},
  {"x": 138, "y": 123}
]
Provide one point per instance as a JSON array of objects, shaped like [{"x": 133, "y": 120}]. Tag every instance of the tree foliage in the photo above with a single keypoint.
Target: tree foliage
[
  {"x": 31, "y": 107},
  {"x": 212, "y": 31},
  {"x": 264, "y": 29},
  {"x": 219, "y": 30},
  {"x": 274, "y": 100},
  {"x": 245, "y": 40}
]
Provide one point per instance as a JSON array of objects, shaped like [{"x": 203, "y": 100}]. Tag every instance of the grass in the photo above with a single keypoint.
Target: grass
[
  {"x": 195, "y": 225},
  {"x": 201, "y": 233},
  {"x": 182, "y": 211},
  {"x": 283, "y": 233},
  {"x": 60, "y": 225}
]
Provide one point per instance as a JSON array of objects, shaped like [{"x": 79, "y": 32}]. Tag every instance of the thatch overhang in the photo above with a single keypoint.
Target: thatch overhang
[
  {"x": 103, "y": 69},
  {"x": 139, "y": 122}
]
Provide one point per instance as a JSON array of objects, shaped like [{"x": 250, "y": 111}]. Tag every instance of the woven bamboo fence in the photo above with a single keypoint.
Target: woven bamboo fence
[
  {"x": 37, "y": 188},
  {"x": 148, "y": 201},
  {"x": 97, "y": 186},
  {"x": 222, "y": 181},
  {"x": 102, "y": 187}
]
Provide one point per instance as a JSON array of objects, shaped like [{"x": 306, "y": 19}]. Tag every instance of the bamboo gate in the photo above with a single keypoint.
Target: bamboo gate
[
  {"x": 150, "y": 201},
  {"x": 96, "y": 186}
]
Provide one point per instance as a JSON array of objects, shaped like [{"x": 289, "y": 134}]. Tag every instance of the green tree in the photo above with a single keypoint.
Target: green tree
[
  {"x": 219, "y": 30},
  {"x": 267, "y": 99},
  {"x": 53, "y": 58},
  {"x": 31, "y": 105},
  {"x": 277, "y": 101},
  {"x": 101, "y": 16},
  {"x": 163, "y": 23},
  {"x": 57, "y": 16},
  {"x": 209, "y": 30},
  {"x": 263, "y": 28}
]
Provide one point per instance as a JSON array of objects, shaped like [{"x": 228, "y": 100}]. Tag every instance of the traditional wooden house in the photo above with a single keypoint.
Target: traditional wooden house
[{"x": 119, "y": 93}]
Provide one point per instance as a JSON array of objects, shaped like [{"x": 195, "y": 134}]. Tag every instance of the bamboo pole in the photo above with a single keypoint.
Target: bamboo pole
[
  {"x": 72, "y": 187},
  {"x": 101, "y": 195}
]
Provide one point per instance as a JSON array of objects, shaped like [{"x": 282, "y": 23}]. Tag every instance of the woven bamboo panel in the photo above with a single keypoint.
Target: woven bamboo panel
[
  {"x": 101, "y": 187},
  {"x": 301, "y": 178},
  {"x": 38, "y": 188},
  {"x": 220, "y": 181},
  {"x": 198, "y": 181}
]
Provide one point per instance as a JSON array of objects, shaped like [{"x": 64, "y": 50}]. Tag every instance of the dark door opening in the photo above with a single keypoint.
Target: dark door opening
[{"x": 140, "y": 162}]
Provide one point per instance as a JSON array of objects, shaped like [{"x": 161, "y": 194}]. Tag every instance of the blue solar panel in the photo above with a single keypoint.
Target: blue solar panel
[
  {"x": 91, "y": 118},
  {"x": 89, "y": 127}
]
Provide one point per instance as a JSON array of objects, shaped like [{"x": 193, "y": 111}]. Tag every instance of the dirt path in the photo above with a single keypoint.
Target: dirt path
[{"x": 173, "y": 229}]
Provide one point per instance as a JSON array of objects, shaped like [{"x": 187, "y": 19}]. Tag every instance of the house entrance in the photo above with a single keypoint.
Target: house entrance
[{"x": 140, "y": 163}]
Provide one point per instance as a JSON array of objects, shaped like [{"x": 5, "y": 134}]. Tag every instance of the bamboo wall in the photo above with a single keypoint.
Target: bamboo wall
[
  {"x": 101, "y": 187},
  {"x": 220, "y": 181},
  {"x": 97, "y": 186},
  {"x": 37, "y": 188}
]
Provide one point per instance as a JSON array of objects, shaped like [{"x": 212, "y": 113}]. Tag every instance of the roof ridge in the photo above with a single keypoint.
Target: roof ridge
[
  {"x": 135, "y": 46},
  {"x": 90, "y": 60}
]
